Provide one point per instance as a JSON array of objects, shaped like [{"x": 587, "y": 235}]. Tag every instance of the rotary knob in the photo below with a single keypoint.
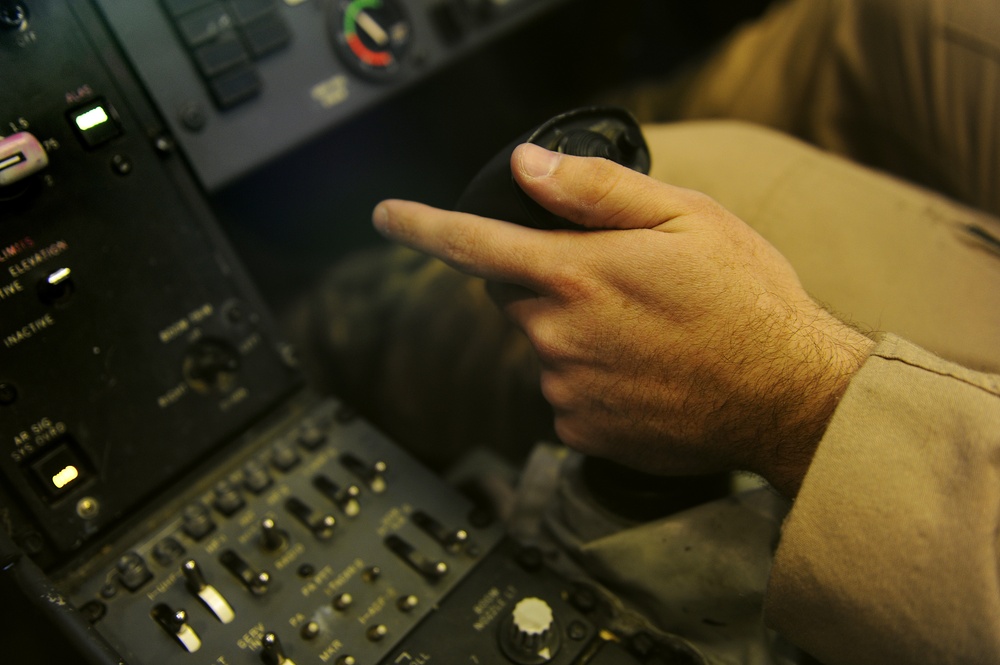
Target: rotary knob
[
  {"x": 13, "y": 14},
  {"x": 530, "y": 634},
  {"x": 211, "y": 366}
]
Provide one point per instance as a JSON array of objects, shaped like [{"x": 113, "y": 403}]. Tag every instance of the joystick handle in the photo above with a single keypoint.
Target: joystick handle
[{"x": 599, "y": 131}]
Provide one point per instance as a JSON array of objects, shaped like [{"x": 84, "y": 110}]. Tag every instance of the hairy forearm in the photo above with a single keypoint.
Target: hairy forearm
[{"x": 824, "y": 354}]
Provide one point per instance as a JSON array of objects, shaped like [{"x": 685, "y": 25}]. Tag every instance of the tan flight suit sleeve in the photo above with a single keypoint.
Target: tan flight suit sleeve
[{"x": 889, "y": 554}]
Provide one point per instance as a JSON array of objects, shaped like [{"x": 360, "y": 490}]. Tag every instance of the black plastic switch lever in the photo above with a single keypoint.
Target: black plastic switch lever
[
  {"x": 450, "y": 539},
  {"x": 175, "y": 624},
  {"x": 320, "y": 525},
  {"x": 372, "y": 474},
  {"x": 272, "y": 653},
  {"x": 206, "y": 593},
  {"x": 272, "y": 537},
  {"x": 432, "y": 570},
  {"x": 255, "y": 581},
  {"x": 346, "y": 498}
]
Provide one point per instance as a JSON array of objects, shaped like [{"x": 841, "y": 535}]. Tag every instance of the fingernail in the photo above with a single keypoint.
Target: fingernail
[
  {"x": 537, "y": 162},
  {"x": 380, "y": 218}
]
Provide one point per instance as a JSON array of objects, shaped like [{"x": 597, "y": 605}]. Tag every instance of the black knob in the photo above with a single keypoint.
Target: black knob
[
  {"x": 132, "y": 571},
  {"x": 13, "y": 15},
  {"x": 586, "y": 143},
  {"x": 530, "y": 635},
  {"x": 211, "y": 366}
]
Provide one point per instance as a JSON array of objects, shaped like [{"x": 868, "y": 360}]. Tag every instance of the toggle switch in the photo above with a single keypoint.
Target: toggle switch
[
  {"x": 450, "y": 539},
  {"x": 272, "y": 537},
  {"x": 377, "y": 633},
  {"x": 21, "y": 155},
  {"x": 373, "y": 474},
  {"x": 176, "y": 625},
  {"x": 206, "y": 593},
  {"x": 430, "y": 569},
  {"x": 57, "y": 287},
  {"x": 272, "y": 653},
  {"x": 320, "y": 525},
  {"x": 407, "y": 603},
  {"x": 346, "y": 498},
  {"x": 256, "y": 582},
  {"x": 310, "y": 631}
]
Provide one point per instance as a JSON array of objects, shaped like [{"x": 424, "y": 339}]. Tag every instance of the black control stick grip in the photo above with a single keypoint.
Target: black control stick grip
[{"x": 607, "y": 132}]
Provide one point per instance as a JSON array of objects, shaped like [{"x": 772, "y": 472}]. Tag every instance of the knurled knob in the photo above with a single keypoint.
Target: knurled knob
[{"x": 530, "y": 635}]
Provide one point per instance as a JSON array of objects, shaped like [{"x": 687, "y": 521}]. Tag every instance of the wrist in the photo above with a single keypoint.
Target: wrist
[{"x": 828, "y": 355}]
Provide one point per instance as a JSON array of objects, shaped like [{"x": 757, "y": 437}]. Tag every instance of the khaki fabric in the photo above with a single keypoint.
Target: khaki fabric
[
  {"x": 911, "y": 87},
  {"x": 879, "y": 252},
  {"x": 890, "y": 552}
]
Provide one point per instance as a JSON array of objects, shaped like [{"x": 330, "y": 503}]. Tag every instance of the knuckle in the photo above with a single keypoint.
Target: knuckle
[
  {"x": 555, "y": 391},
  {"x": 605, "y": 180},
  {"x": 459, "y": 247},
  {"x": 549, "y": 342}
]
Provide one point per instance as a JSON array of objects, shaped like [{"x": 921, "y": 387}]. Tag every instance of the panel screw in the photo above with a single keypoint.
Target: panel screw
[{"x": 88, "y": 508}]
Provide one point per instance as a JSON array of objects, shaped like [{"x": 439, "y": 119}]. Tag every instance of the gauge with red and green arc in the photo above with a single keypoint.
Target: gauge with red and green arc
[{"x": 372, "y": 36}]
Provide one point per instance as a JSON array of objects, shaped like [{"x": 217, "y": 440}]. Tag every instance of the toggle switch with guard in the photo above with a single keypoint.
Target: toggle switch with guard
[{"x": 21, "y": 155}]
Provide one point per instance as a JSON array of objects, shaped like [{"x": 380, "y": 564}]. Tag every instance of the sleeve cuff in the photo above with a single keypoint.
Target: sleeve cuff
[{"x": 890, "y": 551}]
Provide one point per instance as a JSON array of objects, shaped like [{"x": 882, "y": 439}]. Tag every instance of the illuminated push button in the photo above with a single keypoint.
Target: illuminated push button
[
  {"x": 60, "y": 471},
  {"x": 95, "y": 124},
  {"x": 21, "y": 155}
]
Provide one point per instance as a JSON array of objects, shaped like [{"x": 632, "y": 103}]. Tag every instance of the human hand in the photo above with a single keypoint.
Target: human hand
[{"x": 672, "y": 337}]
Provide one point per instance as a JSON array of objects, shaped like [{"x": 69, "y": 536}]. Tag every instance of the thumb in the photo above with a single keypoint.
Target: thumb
[{"x": 597, "y": 193}]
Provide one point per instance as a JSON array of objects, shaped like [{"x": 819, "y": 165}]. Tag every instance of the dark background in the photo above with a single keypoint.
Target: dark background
[{"x": 295, "y": 217}]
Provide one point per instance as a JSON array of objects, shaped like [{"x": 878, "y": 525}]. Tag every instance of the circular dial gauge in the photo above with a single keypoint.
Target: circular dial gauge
[{"x": 372, "y": 36}]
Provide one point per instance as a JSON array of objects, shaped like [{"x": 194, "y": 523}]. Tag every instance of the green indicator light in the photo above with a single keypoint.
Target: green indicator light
[{"x": 92, "y": 118}]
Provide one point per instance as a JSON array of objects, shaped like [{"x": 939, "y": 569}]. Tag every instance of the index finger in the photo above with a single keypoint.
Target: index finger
[{"x": 479, "y": 246}]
